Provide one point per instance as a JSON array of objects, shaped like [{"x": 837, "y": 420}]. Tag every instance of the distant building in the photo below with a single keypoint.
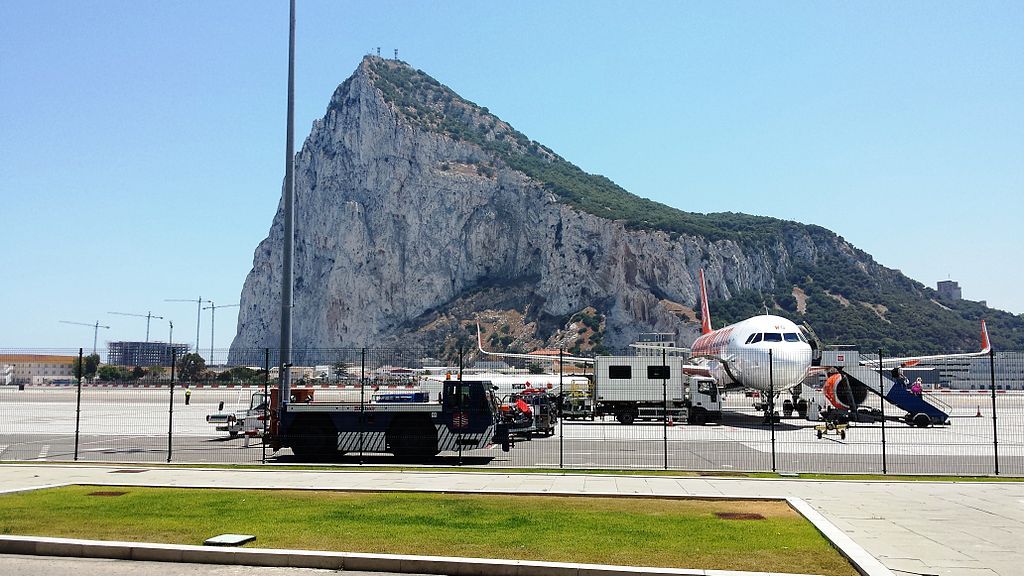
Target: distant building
[
  {"x": 949, "y": 290},
  {"x": 144, "y": 353},
  {"x": 24, "y": 368}
]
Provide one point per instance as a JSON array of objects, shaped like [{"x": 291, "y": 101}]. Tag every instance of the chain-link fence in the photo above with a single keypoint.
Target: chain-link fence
[{"x": 455, "y": 407}]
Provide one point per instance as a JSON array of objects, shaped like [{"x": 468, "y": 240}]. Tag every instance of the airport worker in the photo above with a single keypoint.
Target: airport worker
[
  {"x": 188, "y": 395},
  {"x": 916, "y": 388}
]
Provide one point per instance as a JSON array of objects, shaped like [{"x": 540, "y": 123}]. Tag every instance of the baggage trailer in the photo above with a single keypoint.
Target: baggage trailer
[{"x": 407, "y": 425}]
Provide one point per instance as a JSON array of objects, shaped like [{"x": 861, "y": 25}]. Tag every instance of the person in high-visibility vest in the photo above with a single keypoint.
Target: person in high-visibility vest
[{"x": 188, "y": 395}]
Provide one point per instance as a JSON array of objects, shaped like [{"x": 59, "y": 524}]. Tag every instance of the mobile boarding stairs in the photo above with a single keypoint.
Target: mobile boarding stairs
[{"x": 859, "y": 376}]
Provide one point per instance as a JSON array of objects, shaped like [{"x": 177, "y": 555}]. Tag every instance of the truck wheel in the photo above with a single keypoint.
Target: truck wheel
[
  {"x": 412, "y": 438},
  {"x": 922, "y": 420},
  {"x": 801, "y": 408},
  {"x": 313, "y": 437},
  {"x": 819, "y": 434},
  {"x": 626, "y": 417},
  {"x": 699, "y": 417},
  {"x": 233, "y": 433}
]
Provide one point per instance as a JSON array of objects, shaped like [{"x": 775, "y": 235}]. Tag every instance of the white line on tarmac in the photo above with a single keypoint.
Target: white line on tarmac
[{"x": 44, "y": 452}]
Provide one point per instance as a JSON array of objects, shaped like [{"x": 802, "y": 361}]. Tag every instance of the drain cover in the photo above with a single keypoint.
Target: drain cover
[{"x": 229, "y": 540}]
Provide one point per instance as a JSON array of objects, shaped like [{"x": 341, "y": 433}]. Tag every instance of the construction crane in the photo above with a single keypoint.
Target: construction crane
[
  {"x": 147, "y": 316},
  {"x": 96, "y": 330},
  {"x": 199, "y": 310},
  {"x": 213, "y": 308}
]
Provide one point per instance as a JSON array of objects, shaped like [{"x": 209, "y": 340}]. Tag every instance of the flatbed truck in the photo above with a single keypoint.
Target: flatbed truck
[{"x": 407, "y": 425}]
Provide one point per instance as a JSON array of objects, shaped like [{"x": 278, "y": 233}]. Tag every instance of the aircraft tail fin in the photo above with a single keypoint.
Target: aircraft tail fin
[
  {"x": 705, "y": 314},
  {"x": 986, "y": 345}
]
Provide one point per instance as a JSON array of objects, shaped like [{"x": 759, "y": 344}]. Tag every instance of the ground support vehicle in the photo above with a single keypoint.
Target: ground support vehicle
[
  {"x": 408, "y": 425},
  {"x": 249, "y": 422},
  {"x": 831, "y": 428},
  {"x": 578, "y": 403},
  {"x": 634, "y": 388},
  {"x": 532, "y": 412}
]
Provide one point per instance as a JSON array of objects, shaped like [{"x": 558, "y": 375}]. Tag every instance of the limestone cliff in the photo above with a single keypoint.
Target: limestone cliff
[{"x": 417, "y": 211}]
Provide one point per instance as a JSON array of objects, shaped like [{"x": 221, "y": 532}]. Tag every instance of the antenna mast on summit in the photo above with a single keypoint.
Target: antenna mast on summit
[{"x": 396, "y": 54}]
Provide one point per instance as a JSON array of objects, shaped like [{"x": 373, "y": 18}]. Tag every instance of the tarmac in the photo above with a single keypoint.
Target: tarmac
[{"x": 885, "y": 527}]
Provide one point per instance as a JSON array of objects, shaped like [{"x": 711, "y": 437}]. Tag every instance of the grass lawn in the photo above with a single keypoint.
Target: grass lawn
[{"x": 629, "y": 531}]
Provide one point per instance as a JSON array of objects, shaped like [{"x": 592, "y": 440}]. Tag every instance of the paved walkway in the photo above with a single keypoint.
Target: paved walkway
[{"x": 947, "y": 529}]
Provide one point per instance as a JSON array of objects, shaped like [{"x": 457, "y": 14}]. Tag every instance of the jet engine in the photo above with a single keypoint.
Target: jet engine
[{"x": 842, "y": 393}]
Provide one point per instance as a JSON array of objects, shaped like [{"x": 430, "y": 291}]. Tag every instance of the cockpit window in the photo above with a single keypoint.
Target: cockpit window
[
  {"x": 772, "y": 337},
  {"x": 750, "y": 338},
  {"x": 791, "y": 337},
  {"x": 754, "y": 339}
]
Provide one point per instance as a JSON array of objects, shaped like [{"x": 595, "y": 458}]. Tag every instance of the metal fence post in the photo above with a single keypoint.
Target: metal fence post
[
  {"x": 561, "y": 407},
  {"x": 78, "y": 401},
  {"x": 881, "y": 388},
  {"x": 460, "y": 361},
  {"x": 664, "y": 404},
  {"x": 266, "y": 399},
  {"x": 995, "y": 436},
  {"x": 771, "y": 402},
  {"x": 362, "y": 402},
  {"x": 170, "y": 410}
]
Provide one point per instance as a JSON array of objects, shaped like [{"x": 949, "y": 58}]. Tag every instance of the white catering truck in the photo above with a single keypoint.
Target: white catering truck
[{"x": 649, "y": 388}]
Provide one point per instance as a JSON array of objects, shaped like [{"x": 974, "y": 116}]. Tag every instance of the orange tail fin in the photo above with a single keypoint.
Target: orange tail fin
[
  {"x": 986, "y": 346},
  {"x": 705, "y": 315}
]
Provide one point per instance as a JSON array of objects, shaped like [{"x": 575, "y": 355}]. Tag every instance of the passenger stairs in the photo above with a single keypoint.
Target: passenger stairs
[
  {"x": 864, "y": 376},
  {"x": 921, "y": 410}
]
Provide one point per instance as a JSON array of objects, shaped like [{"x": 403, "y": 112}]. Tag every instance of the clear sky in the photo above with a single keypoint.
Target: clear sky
[{"x": 142, "y": 143}]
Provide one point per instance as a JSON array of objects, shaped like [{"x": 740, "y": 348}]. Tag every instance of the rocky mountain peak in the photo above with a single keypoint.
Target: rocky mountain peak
[{"x": 418, "y": 212}]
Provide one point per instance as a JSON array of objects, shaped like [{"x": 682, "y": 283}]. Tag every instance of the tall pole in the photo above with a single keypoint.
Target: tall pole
[
  {"x": 213, "y": 309},
  {"x": 199, "y": 313},
  {"x": 95, "y": 333},
  {"x": 289, "y": 218}
]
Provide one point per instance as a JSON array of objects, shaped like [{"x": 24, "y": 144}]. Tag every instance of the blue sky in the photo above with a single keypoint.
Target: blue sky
[{"x": 142, "y": 143}]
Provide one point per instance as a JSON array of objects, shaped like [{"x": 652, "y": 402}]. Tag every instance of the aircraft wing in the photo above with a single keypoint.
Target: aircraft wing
[
  {"x": 545, "y": 357},
  {"x": 986, "y": 347}
]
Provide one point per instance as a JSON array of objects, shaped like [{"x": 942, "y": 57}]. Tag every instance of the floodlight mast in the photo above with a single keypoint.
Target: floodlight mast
[
  {"x": 213, "y": 308},
  {"x": 287, "y": 265},
  {"x": 147, "y": 316},
  {"x": 95, "y": 332}
]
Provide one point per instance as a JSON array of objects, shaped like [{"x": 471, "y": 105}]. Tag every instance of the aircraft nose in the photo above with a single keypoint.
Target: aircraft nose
[{"x": 789, "y": 367}]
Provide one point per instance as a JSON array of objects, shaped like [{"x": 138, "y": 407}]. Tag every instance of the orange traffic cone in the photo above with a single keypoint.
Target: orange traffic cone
[{"x": 978, "y": 415}]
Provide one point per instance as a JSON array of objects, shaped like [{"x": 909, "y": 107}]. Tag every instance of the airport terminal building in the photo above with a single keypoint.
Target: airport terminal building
[{"x": 18, "y": 369}]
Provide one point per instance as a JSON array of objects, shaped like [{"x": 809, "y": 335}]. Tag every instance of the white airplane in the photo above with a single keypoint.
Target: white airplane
[{"x": 765, "y": 353}]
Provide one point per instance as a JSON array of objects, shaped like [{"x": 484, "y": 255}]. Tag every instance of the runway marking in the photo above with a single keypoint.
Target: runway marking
[{"x": 43, "y": 452}]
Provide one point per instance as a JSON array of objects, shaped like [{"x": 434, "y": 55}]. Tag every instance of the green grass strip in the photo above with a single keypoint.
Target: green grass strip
[{"x": 625, "y": 531}]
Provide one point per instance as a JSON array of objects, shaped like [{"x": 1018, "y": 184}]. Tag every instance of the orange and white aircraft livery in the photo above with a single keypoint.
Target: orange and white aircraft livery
[{"x": 766, "y": 353}]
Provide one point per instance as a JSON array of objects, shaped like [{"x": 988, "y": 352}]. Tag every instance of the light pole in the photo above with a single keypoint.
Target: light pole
[
  {"x": 213, "y": 308},
  {"x": 289, "y": 218}
]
